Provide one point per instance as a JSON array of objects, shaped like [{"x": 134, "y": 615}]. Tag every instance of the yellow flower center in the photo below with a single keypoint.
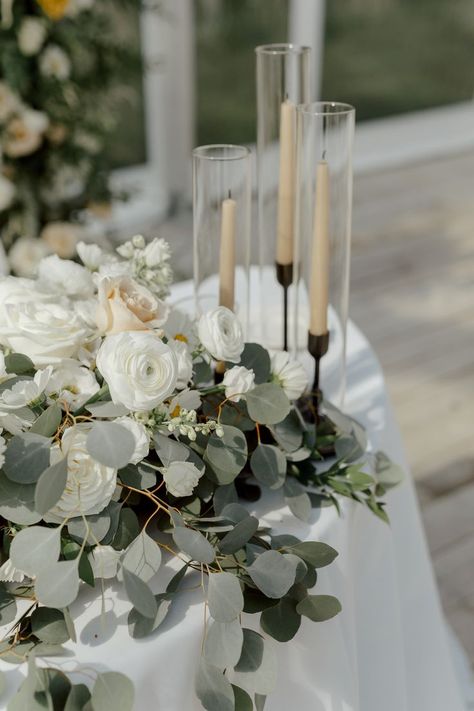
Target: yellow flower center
[
  {"x": 176, "y": 411},
  {"x": 180, "y": 337},
  {"x": 55, "y": 9}
]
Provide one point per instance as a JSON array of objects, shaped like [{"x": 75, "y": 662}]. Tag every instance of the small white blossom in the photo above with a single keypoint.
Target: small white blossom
[
  {"x": 72, "y": 383},
  {"x": 181, "y": 478},
  {"x": 31, "y": 35},
  {"x": 25, "y": 392},
  {"x": 54, "y": 62},
  {"x": 91, "y": 255},
  {"x": 288, "y": 373},
  {"x": 238, "y": 381}
]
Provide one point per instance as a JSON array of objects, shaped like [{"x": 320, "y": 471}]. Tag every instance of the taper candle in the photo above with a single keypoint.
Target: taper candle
[
  {"x": 319, "y": 285},
  {"x": 286, "y": 186},
  {"x": 227, "y": 254}
]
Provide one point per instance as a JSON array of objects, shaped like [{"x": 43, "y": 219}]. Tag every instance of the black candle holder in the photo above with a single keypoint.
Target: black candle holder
[{"x": 284, "y": 274}]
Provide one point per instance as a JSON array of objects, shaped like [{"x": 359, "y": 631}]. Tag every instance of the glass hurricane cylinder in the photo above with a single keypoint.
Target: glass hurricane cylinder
[
  {"x": 323, "y": 214},
  {"x": 283, "y": 81},
  {"x": 221, "y": 228}
]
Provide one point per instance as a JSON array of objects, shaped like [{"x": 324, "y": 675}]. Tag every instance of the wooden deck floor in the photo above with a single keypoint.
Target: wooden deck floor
[{"x": 413, "y": 295}]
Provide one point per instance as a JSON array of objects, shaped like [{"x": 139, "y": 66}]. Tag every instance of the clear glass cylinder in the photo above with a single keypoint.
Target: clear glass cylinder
[
  {"x": 323, "y": 215},
  {"x": 283, "y": 82},
  {"x": 221, "y": 228}
]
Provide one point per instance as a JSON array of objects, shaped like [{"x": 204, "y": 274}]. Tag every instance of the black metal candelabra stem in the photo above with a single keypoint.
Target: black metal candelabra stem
[
  {"x": 284, "y": 273},
  {"x": 318, "y": 346}
]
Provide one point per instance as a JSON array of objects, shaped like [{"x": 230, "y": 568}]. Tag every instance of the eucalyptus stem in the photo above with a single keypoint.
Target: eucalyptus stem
[{"x": 104, "y": 390}]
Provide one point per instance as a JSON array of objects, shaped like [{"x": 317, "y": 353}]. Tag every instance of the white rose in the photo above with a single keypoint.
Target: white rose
[
  {"x": 125, "y": 305},
  {"x": 104, "y": 561},
  {"x": 91, "y": 255},
  {"x": 63, "y": 276},
  {"x": 44, "y": 332},
  {"x": 61, "y": 238},
  {"x": 31, "y": 36},
  {"x": 24, "y": 133},
  {"x": 25, "y": 255},
  {"x": 140, "y": 435},
  {"x": 9, "y": 102},
  {"x": 72, "y": 383},
  {"x": 55, "y": 63},
  {"x": 185, "y": 363},
  {"x": 221, "y": 334},
  {"x": 90, "y": 484},
  {"x": 181, "y": 478},
  {"x": 140, "y": 370},
  {"x": 238, "y": 381},
  {"x": 7, "y": 193},
  {"x": 288, "y": 373}
]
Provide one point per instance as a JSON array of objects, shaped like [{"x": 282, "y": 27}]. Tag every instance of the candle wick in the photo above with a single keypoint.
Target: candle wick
[
  {"x": 230, "y": 194},
  {"x": 324, "y": 155}
]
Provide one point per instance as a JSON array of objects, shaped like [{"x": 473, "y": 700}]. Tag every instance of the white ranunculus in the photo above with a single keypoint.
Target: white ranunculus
[
  {"x": 90, "y": 484},
  {"x": 65, "y": 277},
  {"x": 185, "y": 363},
  {"x": 181, "y": 478},
  {"x": 9, "y": 102},
  {"x": 31, "y": 35},
  {"x": 140, "y": 370},
  {"x": 45, "y": 332},
  {"x": 25, "y": 392},
  {"x": 104, "y": 561},
  {"x": 288, "y": 373},
  {"x": 25, "y": 255},
  {"x": 61, "y": 238},
  {"x": 125, "y": 305},
  {"x": 238, "y": 381},
  {"x": 7, "y": 193},
  {"x": 91, "y": 255},
  {"x": 71, "y": 383},
  {"x": 10, "y": 574},
  {"x": 221, "y": 334},
  {"x": 140, "y": 435},
  {"x": 54, "y": 62},
  {"x": 24, "y": 133}
]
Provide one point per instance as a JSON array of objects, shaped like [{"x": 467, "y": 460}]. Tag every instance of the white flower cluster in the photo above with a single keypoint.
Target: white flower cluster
[
  {"x": 149, "y": 263},
  {"x": 187, "y": 425}
]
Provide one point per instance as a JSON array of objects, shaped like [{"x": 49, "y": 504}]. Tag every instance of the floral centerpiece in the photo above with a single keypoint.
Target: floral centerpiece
[
  {"x": 61, "y": 68},
  {"x": 120, "y": 453}
]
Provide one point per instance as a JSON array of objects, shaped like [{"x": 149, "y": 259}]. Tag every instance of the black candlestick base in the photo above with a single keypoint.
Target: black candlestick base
[{"x": 284, "y": 274}]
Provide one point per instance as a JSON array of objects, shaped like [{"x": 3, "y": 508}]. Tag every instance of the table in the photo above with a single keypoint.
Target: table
[{"x": 386, "y": 651}]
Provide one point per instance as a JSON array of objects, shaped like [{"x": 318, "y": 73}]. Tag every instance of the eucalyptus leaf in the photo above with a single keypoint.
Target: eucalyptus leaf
[
  {"x": 35, "y": 548},
  {"x": 49, "y": 625},
  {"x": 57, "y": 585},
  {"x": 272, "y": 573},
  {"x": 316, "y": 554},
  {"x": 8, "y": 607},
  {"x": 94, "y": 528},
  {"x": 282, "y": 621},
  {"x": 223, "y": 644},
  {"x": 127, "y": 530},
  {"x": 139, "y": 594},
  {"x": 26, "y": 457},
  {"x": 17, "y": 502},
  {"x": 107, "y": 408},
  {"x": 138, "y": 476},
  {"x": 235, "y": 512},
  {"x": 289, "y": 432},
  {"x": 18, "y": 364},
  {"x": 229, "y": 452},
  {"x": 224, "y": 495},
  {"x": 260, "y": 701},
  {"x": 387, "y": 472},
  {"x": 194, "y": 544},
  {"x": 212, "y": 689},
  {"x": 224, "y": 596},
  {"x": 319, "y": 608},
  {"x": 142, "y": 557},
  {"x": 239, "y": 535},
  {"x": 256, "y": 670},
  {"x": 169, "y": 450},
  {"x": 112, "y": 691},
  {"x": 50, "y": 486},
  {"x": 78, "y": 698},
  {"x": 268, "y": 464},
  {"x": 267, "y": 404},
  {"x": 255, "y": 357},
  {"x": 242, "y": 700},
  {"x": 141, "y": 626},
  {"x": 297, "y": 499},
  {"x": 110, "y": 444},
  {"x": 48, "y": 422}
]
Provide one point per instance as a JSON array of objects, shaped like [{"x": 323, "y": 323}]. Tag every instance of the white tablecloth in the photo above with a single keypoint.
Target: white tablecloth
[{"x": 386, "y": 651}]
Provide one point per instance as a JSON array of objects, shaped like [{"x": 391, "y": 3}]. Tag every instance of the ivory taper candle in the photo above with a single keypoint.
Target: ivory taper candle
[
  {"x": 320, "y": 257},
  {"x": 227, "y": 254},
  {"x": 286, "y": 186}
]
